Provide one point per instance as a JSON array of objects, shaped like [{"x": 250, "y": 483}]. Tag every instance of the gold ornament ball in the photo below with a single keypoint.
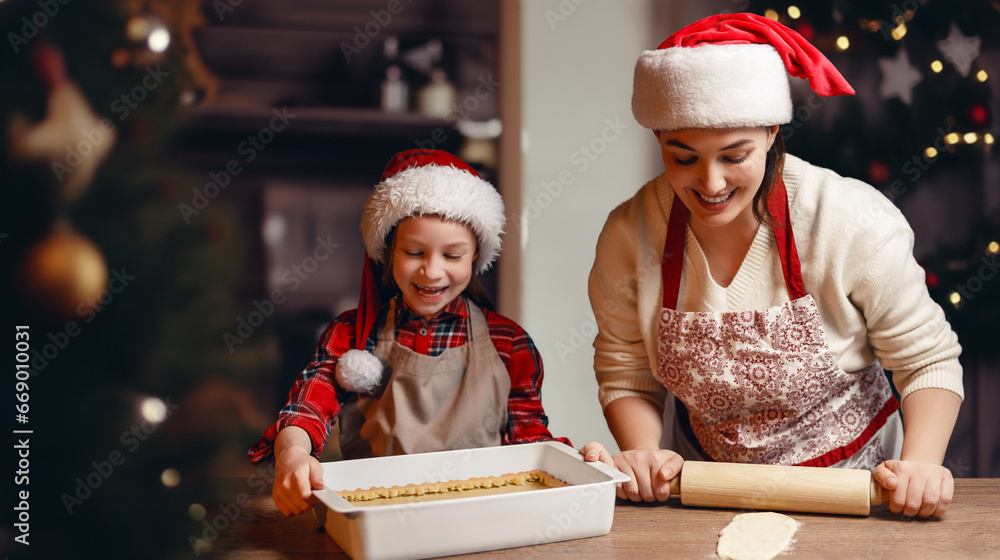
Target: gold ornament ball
[{"x": 63, "y": 272}]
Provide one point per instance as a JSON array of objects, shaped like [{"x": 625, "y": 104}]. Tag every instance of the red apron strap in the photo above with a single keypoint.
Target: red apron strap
[
  {"x": 673, "y": 253},
  {"x": 777, "y": 207},
  {"x": 673, "y": 248}
]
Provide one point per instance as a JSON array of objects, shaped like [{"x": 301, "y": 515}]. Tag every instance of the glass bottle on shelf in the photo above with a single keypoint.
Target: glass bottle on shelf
[
  {"x": 437, "y": 98},
  {"x": 395, "y": 91}
]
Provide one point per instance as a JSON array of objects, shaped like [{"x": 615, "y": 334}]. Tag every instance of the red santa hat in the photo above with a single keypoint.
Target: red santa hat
[
  {"x": 727, "y": 71},
  {"x": 415, "y": 183},
  {"x": 420, "y": 182}
]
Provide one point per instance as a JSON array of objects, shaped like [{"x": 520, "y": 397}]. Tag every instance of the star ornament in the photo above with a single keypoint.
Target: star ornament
[
  {"x": 898, "y": 77},
  {"x": 71, "y": 138},
  {"x": 959, "y": 49}
]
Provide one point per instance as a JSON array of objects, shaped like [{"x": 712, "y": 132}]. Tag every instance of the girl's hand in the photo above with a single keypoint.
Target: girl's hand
[
  {"x": 297, "y": 474},
  {"x": 918, "y": 489},
  {"x": 594, "y": 451},
  {"x": 650, "y": 471}
]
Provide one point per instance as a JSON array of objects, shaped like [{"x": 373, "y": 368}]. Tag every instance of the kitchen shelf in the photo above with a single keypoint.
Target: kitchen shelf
[{"x": 332, "y": 121}]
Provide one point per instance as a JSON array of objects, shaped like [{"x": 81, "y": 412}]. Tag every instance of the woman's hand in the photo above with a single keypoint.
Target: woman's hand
[
  {"x": 650, "y": 471},
  {"x": 918, "y": 489}
]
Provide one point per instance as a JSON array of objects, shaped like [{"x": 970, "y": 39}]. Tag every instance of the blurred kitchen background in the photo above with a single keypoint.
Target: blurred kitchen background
[{"x": 182, "y": 184}]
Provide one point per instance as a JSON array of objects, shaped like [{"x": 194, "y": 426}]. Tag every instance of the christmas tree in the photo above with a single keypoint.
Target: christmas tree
[
  {"x": 115, "y": 305},
  {"x": 922, "y": 120}
]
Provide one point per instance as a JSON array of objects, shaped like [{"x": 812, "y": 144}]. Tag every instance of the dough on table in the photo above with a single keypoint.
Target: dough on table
[{"x": 756, "y": 536}]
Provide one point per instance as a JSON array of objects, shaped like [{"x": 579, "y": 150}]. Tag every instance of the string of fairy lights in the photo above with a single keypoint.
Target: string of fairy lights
[
  {"x": 899, "y": 77},
  {"x": 962, "y": 50}
]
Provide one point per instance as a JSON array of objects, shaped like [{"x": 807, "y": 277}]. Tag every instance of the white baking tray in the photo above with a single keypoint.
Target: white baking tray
[{"x": 465, "y": 525}]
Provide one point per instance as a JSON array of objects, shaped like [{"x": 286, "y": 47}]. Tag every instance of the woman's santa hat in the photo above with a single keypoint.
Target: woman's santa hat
[
  {"x": 416, "y": 183},
  {"x": 728, "y": 71}
]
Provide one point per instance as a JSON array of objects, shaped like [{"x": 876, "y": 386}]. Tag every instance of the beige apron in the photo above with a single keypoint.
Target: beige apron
[
  {"x": 763, "y": 386},
  {"x": 457, "y": 400}
]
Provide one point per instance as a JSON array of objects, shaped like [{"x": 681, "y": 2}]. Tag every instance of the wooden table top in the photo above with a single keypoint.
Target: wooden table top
[{"x": 970, "y": 529}]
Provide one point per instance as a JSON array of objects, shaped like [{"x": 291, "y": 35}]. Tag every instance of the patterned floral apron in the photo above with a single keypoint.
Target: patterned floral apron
[
  {"x": 762, "y": 386},
  {"x": 456, "y": 400}
]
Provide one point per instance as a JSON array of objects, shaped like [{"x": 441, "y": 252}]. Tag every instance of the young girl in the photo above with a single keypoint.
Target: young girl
[
  {"x": 743, "y": 282},
  {"x": 424, "y": 364}
]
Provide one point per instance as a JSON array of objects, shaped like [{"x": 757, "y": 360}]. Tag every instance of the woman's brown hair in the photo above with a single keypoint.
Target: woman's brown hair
[{"x": 772, "y": 168}]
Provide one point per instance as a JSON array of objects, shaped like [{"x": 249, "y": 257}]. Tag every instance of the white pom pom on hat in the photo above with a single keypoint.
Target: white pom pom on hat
[
  {"x": 725, "y": 71},
  {"x": 359, "y": 371}
]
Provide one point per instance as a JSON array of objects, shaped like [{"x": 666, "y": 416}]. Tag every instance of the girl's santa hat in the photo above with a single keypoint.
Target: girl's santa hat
[
  {"x": 728, "y": 71},
  {"x": 416, "y": 183},
  {"x": 421, "y": 182}
]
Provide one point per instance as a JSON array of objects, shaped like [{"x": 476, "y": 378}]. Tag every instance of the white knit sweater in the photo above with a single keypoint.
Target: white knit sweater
[{"x": 856, "y": 252}]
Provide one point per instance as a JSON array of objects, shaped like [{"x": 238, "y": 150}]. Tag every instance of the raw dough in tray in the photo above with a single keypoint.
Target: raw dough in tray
[{"x": 429, "y": 491}]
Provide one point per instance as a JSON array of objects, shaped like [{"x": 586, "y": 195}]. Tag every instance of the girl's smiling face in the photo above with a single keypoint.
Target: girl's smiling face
[
  {"x": 432, "y": 262},
  {"x": 716, "y": 172}
]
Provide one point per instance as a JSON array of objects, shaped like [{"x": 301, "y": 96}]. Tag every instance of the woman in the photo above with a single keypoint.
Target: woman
[{"x": 743, "y": 282}]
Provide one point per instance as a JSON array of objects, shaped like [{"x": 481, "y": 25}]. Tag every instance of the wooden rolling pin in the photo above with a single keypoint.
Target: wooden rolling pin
[{"x": 776, "y": 487}]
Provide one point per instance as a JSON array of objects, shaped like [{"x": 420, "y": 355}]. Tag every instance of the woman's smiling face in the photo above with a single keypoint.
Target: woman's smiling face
[{"x": 716, "y": 171}]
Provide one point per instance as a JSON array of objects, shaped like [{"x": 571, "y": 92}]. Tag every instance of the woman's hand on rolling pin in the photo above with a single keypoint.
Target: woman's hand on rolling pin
[
  {"x": 296, "y": 474},
  {"x": 918, "y": 489},
  {"x": 650, "y": 471}
]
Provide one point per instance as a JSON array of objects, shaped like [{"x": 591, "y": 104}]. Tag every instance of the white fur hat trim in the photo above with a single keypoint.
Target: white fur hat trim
[
  {"x": 359, "y": 371},
  {"x": 711, "y": 86},
  {"x": 446, "y": 191}
]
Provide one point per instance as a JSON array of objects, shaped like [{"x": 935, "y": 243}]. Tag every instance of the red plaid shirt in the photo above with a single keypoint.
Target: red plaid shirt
[{"x": 315, "y": 399}]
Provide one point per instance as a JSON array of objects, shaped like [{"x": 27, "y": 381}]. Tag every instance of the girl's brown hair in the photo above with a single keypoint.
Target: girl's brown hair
[{"x": 388, "y": 288}]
